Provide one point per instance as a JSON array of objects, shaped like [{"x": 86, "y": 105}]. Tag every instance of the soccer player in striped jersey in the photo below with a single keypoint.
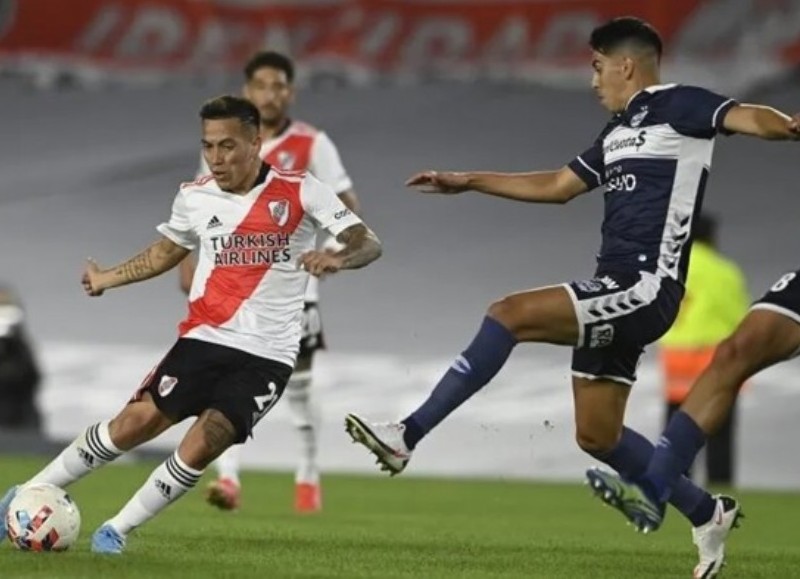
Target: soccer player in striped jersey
[
  {"x": 292, "y": 145},
  {"x": 254, "y": 228}
]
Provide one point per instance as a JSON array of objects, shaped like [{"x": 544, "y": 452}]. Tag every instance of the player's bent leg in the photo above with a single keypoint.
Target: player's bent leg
[
  {"x": 98, "y": 445},
  {"x": 225, "y": 493},
  {"x": 599, "y": 413},
  {"x": 207, "y": 438},
  {"x": 138, "y": 422},
  {"x": 763, "y": 339},
  {"x": 542, "y": 315}
]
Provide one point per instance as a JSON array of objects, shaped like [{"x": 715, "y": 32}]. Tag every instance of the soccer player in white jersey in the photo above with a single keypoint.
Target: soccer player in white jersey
[
  {"x": 652, "y": 160},
  {"x": 255, "y": 229},
  {"x": 291, "y": 145}
]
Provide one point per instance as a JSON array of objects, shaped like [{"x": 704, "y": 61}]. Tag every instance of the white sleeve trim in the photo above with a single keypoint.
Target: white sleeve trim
[
  {"x": 596, "y": 174},
  {"x": 716, "y": 112}
]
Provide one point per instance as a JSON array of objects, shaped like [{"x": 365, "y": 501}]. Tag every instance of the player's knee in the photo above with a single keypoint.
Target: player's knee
[
  {"x": 741, "y": 350},
  {"x": 508, "y": 311},
  {"x": 595, "y": 441},
  {"x": 136, "y": 424}
]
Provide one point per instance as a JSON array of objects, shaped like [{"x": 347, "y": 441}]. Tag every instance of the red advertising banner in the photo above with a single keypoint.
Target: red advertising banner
[{"x": 489, "y": 37}]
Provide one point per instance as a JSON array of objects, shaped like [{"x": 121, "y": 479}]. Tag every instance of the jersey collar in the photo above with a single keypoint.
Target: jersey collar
[{"x": 654, "y": 88}]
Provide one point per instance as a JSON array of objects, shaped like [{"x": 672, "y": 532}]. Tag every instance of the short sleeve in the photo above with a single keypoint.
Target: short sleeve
[
  {"x": 178, "y": 229},
  {"x": 589, "y": 165},
  {"x": 698, "y": 112},
  {"x": 325, "y": 207},
  {"x": 326, "y": 165}
]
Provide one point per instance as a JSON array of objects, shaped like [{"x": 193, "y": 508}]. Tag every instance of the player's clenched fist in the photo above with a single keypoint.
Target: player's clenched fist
[
  {"x": 319, "y": 263},
  {"x": 91, "y": 279},
  {"x": 439, "y": 182}
]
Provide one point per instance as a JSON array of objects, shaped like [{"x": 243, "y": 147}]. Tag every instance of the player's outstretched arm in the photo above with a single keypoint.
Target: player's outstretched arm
[
  {"x": 762, "y": 121},
  {"x": 160, "y": 256},
  {"x": 361, "y": 247},
  {"x": 540, "y": 187}
]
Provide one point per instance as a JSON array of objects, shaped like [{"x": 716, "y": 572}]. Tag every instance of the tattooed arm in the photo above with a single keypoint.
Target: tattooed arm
[
  {"x": 361, "y": 247},
  {"x": 159, "y": 257}
]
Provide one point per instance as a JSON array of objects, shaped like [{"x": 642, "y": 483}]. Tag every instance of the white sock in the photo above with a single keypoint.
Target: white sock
[
  {"x": 306, "y": 418},
  {"x": 88, "y": 452},
  {"x": 229, "y": 462},
  {"x": 168, "y": 482}
]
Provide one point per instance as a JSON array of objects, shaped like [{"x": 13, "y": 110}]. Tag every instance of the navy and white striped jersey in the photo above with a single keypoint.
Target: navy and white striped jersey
[{"x": 653, "y": 160}]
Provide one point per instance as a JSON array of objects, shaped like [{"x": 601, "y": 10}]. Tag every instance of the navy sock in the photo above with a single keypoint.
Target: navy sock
[
  {"x": 630, "y": 458},
  {"x": 674, "y": 454},
  {"x": 472, "y": 370}
]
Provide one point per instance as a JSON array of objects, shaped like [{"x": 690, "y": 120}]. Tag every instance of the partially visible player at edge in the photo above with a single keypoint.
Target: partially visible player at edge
[
  {"x": 652, "y": 160},
  {"x": 769, "y": 334},
  {"x": 291, "y": 145},
  {"x": 238, "y": 344}
]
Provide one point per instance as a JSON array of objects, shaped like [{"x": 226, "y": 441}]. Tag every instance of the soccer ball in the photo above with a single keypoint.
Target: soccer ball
[{"x": 42, "y": 517}]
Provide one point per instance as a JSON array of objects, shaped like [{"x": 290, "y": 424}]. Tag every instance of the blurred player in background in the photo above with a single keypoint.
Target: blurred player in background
[
  {"x": 255, "y": 229},
  {"x": 19, "y": 370},
  {"x": 652, "y": 160},
  {"x": 290, "y": 145},
  {"x": 716, "y": 300}
]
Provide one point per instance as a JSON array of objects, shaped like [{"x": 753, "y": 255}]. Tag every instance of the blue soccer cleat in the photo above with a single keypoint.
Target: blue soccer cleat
[
  {"x": 108, "y": 541},
  {"x": 4, "y": 502},
  {"x": 644, "y": 513}
]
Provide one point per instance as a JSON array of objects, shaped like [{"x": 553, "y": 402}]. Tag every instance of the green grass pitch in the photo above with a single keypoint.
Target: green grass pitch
[{"x": 375, "y": 527}]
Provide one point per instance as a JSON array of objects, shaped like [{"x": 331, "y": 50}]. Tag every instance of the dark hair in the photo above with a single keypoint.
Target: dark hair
[
  {"x": 269, "y": 59},
  {"x": 231, "y": 107},
  {"x": 625, "y": 30},
  {"x": 705, "y": 229}
]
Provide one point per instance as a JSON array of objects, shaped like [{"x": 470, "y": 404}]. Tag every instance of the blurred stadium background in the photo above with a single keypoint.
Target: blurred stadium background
[{"x": 99, "y": 105}]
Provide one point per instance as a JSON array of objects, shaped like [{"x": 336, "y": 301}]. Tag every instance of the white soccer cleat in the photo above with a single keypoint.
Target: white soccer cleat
[
  {"x": 384, "y": 440},
  {"x": 710, "y": 537}
]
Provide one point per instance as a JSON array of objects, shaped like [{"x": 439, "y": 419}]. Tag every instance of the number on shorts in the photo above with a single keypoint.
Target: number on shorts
[{"x": 784, "y": 282}]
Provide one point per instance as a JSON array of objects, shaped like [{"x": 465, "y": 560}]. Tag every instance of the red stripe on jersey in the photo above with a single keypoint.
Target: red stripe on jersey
[
  {"x": 293, "y": 153},
  {"x": 229, "y": 286}
]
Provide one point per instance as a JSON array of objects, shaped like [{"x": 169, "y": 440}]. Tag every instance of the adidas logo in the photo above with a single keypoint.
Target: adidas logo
[
  {"x": 86, "y": 457},
  {"x": 214, "y": 222},
  {"x": 164, "y": 489}
]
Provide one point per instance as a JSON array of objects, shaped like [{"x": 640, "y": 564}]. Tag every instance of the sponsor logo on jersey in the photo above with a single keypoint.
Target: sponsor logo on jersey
[
  {"x": 633, "y": 142},
  {"x": 166, "y": 385},
  {"x": 251, "y": 248},
  {"x": 214, "y": 222},
  {"x": 279, "y": 211}
]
